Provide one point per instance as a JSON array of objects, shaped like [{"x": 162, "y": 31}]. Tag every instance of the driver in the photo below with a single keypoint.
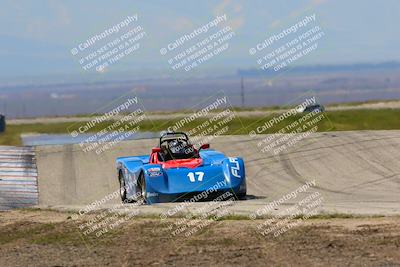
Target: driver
[
  {"x": 180, "y": 149},
  {"x": 177, "y": 146}
]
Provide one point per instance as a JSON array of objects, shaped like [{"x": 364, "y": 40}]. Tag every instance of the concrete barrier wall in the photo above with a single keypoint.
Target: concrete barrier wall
[{"x": 18, "y": 177}]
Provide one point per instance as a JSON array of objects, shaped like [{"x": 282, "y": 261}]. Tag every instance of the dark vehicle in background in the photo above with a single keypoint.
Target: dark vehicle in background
[
  {"x": 311, "y": 108},
  {"x": 2, "y": 123}
]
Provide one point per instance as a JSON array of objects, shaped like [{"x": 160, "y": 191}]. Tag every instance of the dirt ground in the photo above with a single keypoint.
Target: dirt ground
[{"x": 49, "y": 238}]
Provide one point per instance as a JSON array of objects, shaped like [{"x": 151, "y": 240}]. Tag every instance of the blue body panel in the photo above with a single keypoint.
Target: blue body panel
[{"x": 218, "y": 173}]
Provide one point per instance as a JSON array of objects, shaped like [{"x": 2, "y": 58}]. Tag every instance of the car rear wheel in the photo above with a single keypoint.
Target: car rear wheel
[
  {"x": 141, "y": 187},
  {"x": 241, "y": 196},
  {"x": 122, "y": 187}
]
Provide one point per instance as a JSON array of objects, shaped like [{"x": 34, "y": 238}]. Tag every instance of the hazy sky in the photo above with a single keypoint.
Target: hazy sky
[{"x": 36, "y": 36}]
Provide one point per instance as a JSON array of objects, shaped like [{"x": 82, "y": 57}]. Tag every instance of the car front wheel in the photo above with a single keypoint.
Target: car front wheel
[{"x": 141, "y": 187}]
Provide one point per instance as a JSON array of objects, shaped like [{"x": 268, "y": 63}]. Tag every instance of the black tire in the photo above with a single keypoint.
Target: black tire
[
  {"x": 122, "y": 187},
  {"x": 241, "y": 196},
  {"x": 141, "y": 186}
]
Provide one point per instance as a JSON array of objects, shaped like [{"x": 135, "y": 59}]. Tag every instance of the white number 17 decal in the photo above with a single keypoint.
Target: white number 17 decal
[{"x": 193, "y": 175}]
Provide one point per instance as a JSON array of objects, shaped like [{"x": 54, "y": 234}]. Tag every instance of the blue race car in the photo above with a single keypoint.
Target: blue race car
[{"x": 177, "y": 171}]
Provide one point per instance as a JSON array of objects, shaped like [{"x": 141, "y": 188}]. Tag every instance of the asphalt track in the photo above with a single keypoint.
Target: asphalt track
[{"x": 355, "y": 172}]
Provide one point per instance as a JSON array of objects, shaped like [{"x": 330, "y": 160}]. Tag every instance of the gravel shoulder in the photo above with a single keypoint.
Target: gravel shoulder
[{"x": 49, "y": 238}]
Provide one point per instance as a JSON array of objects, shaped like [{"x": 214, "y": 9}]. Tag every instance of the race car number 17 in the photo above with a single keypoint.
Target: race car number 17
[{"x": 193, "y": 175}]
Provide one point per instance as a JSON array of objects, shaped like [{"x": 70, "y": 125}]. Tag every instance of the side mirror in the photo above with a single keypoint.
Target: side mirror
[
  {"x": 156, "y": 150},
  {"x": 205, "y": 146}
]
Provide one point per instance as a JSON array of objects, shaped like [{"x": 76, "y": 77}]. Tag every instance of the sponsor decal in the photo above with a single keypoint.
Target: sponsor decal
[
  {"x": 156, "y": 171},
  {"x": 235, "y": 167}
]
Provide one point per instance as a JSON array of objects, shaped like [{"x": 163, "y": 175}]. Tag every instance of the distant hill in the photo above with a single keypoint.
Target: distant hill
[{"x": 323, "y": 68}]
